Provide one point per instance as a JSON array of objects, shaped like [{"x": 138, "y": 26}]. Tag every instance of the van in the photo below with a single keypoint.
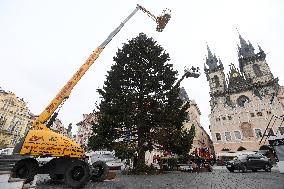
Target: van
[
  {"x": 6, "y": 151},
  {"x": 106, "y": 156}
]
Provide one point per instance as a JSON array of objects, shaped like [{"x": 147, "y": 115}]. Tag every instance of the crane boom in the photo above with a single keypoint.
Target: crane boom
[{"x": 66, "y": 90}]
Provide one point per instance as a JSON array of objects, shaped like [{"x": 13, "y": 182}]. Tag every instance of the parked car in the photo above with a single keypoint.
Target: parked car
[
  {"x": 108, "y": 157},
  {"x": 6, "y": 151},
  {"x": 186, "y": 168},
  {"x": 193, "y": 167},
  {"x": 156, "y": 166},
  {"x": 252, "y": 162},
  {"x": 172, "y": 163}
]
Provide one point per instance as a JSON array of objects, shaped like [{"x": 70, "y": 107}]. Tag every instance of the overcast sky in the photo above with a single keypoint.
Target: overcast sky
[{"x": 43, "y": 43}]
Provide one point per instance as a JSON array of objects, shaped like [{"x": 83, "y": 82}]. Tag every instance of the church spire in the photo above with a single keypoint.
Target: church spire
[
  {"x": 220, "y": 62},
  {"x": 260, "y": 49},
  {"x": 183, "y": 95},
  {"x": 211, "y": 60},
  {"x": 246, "y": 49}
]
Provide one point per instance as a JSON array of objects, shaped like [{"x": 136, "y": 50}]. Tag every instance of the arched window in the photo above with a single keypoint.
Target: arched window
[
  {"x": 216, "y": 81},
  {"x": 242, "y": 100},
  {"x": 257, "y": 70},
  {"x": 241, "y": 148}
]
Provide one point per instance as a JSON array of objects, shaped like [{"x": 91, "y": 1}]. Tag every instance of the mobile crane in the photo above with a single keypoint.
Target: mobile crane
[{"x": 69, "y": 160}]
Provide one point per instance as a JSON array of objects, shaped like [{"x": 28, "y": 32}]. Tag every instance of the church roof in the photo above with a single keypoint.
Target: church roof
[
  {"x": 236, "y": 80},
  {"x": 2, "y": 91},
  {"x": 246, "y": 49},
  {"x": 183, "y": 95},
  {"x": 212, "y": 62},
  {"x": 246, "y": 53}
]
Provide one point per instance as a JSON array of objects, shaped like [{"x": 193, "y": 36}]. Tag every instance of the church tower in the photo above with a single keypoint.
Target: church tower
[
  {"x": 216, "y": 78},
  {"x": 256, "y": 70},
  {"x": 243, "y": 102}
]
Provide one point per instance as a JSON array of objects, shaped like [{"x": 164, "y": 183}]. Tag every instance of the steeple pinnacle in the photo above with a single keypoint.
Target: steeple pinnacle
[
  {"x": 246, "y": 49},
  {"x": 211, "y": 60},
  {"x": 260, "y": 49}
]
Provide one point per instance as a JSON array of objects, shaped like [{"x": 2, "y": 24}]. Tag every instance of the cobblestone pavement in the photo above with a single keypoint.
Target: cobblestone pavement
[{"x": 219, "y": 179}]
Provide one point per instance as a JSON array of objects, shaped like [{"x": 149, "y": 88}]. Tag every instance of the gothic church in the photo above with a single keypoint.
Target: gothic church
[{"x": 243, "y": 102}]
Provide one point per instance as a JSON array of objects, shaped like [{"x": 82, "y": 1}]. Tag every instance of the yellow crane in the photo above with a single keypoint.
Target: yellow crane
[{"x": 69, "y": 162}]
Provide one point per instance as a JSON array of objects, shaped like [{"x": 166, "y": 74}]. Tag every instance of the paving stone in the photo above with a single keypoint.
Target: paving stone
[{"x": 218, "y": 179}]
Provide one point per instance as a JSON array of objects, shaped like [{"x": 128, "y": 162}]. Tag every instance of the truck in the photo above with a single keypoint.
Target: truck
[
  {"x": 276, "y": 141},
  {"x": 69, "y": 161}
]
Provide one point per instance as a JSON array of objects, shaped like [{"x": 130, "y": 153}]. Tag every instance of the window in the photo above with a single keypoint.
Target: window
[
  {"x": 242, "y": 100},
  {"x": 230, "y": 117},
  {"x": 237, "y": 135},
  {"x": 257, "y": 70},
  {"x": 259, "y": 114},
  {"x": 228, "y": 136},
  {"x": 281, "y": 130},
  {"x": 218, "y": 136},
  {"x": 241, "y": 148},
  {"x": 225, "y": 149},
  {"x": 216, "y": 81},
  {"x": 268, "y": 112},
  {"x": 258, "y": 133},
  {"x": 224, "y": 118},
  {"x": 217, "y": 119},
  {"x": 255, "y": 156},
  {"x": 251, "y": 114}
]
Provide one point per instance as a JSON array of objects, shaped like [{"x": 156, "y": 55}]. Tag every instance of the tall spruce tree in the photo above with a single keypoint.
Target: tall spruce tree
[{"x": 140, "y": 108}]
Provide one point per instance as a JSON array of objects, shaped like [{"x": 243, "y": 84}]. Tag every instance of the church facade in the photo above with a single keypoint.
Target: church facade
[{"x": 243, "y": 102}]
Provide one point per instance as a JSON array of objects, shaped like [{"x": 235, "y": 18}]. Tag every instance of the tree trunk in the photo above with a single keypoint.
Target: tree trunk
[{"x": 140, "y": 167}]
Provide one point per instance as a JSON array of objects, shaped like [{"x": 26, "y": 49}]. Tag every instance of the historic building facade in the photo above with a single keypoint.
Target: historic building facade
[
  {"x": 201, "y": 141},
  {"x": 243, "y": 103},
  {"x": 15, "y": 119},
  {"x": 85, "y": 128},
  {"x": 58, "y": 127}
]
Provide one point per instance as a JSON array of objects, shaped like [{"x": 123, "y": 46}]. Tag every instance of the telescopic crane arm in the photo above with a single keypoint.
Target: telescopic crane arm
[{"x": 39, "y": 122}]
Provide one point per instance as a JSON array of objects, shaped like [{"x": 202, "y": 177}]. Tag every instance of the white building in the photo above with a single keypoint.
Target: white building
[{"x": 85, "y": 128}]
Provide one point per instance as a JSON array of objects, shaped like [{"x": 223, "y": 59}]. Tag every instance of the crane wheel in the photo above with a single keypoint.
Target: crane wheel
[
  {"x": 25, "y": 169},
  {"x": 99, "y": 171},
  {"x": 51, "y": 166},
  {"x": 77, "y": 174}
]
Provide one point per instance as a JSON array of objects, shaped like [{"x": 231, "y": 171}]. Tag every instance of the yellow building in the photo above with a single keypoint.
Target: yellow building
[
  {"x": 15, "y": 119},
  {"x": 201, "y": 139}
]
